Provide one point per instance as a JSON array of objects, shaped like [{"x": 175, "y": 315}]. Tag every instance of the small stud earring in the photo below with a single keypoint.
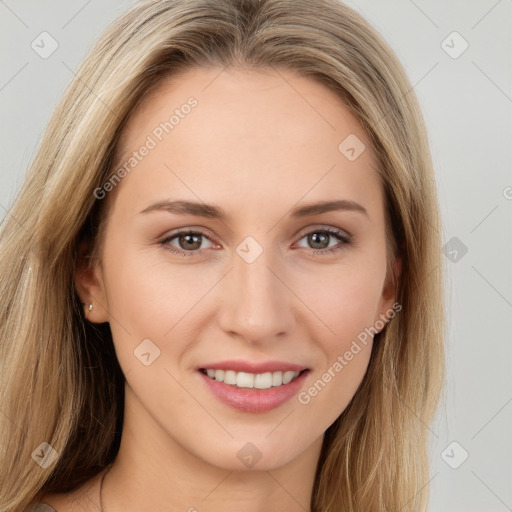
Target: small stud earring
[{"x": 89, "y": 306}]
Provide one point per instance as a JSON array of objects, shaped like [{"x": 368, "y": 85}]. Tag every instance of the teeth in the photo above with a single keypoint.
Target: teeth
[
  {"x": 277, "y": 378},
  {"x": 252, "y": 380},
  {"x": 288, "y": 376},
  {"x": 263, "y": 380},
  {"x": 244, "y": 380},
  {"x": 229, "y": 376}
]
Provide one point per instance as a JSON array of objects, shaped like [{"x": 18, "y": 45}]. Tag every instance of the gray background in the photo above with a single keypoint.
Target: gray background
[{"x": 467, "y": 104}]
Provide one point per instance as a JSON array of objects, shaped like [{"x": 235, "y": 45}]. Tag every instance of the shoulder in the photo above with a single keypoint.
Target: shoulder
[
  {"x": 83, "y": 499},
  {"x": 57, "y": 502},
  {"x": 71, "y": 502},
  {"x": 41, "y": 507}
]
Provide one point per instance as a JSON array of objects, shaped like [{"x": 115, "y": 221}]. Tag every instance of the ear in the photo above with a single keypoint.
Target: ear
[
  {"x": 389, "y": 290},
  {"x": 90, "y": 286}
]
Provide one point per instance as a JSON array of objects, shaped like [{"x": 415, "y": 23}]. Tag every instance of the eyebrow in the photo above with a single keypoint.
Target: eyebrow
[{"x": 215, "y": 212}]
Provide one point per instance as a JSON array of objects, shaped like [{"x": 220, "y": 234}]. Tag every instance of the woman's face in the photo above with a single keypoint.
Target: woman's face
[{"x": 266, "y": 282}]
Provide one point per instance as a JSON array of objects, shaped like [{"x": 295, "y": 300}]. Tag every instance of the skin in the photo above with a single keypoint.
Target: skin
[{"x": 258, "y": 144}]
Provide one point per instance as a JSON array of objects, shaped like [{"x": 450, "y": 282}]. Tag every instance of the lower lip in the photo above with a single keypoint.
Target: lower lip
[{"x": 254, "y": 400}]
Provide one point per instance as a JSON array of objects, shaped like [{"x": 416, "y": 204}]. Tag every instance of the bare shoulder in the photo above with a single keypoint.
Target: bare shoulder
[
  {"x": 57, "y": 502},
  {"x": 83, "y": 499},
  {"x": 70, "y": 502}
]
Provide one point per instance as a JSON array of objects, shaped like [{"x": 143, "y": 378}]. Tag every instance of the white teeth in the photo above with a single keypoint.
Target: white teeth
[
  {"x": 244, "y": 380},
  {"x": 230, "y": 377},
  {"x": 288, "y": 376},
  {"x": 263, "y": 380},
  {"x": 277, "y": 378},
  {"x": 251, "y": 380}
]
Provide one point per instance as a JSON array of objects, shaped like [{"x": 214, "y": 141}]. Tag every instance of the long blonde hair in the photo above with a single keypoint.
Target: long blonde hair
[{"x": 60, "y": 382}]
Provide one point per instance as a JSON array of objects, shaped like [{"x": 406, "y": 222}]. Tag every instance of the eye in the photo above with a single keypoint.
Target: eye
[
  {"x": 189, "y": 242},
  {"x": 319, "y": 239}
]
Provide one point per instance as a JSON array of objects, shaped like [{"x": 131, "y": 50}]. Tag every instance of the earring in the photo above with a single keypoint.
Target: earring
[{"x": 89, "y": 306}]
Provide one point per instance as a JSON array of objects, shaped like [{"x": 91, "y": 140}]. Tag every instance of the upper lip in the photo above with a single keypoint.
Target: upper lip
[{"x": 239, "y": 365}]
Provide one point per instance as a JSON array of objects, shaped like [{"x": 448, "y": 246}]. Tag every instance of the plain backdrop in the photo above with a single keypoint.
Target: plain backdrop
[{"x": 458, "y": 56}]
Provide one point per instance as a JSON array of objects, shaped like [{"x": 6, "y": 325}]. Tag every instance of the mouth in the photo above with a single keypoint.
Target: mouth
[
  {"x": 256, "y": 381},
  {"x": 264, "y": 388}
]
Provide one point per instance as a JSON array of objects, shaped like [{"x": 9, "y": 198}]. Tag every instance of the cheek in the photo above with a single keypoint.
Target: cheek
[
  {"x": 152, "y": 299},
  {"x": 149, "y": 293},
  {"x": 345, "y": 305},
  {"x": 344, "y": 299},
  {"x": 345, "y": 340}
]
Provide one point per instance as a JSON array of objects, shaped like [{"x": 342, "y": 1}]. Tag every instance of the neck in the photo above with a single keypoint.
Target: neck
[{"x": 152, "y": 471}]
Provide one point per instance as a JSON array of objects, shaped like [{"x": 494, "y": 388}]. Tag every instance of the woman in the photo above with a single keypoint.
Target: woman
[{"x": 292, "y": 355}]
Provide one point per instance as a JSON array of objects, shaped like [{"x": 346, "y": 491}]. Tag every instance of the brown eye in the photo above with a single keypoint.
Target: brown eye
[
  {"x": 190, "y": 241},
  {"x": 186, "y": 242},
  {"x": 320, "y": 240}
]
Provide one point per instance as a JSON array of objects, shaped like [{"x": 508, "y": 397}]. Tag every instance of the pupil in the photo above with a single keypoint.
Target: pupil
[
  {"x": 315, "y": 239},
  {"x": 189, "y": 239}
]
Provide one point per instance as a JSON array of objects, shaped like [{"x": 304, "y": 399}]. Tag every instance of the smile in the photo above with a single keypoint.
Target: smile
[
  {"x": 253, "y": 392},
  {"x": 252, "y": 380}
]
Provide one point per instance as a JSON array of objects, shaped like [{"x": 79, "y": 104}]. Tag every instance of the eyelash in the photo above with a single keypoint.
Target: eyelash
[{"x": 340, "y": 235}]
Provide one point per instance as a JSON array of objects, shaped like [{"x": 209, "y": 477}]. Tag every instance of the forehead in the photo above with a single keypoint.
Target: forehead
[{"x": 265, "y": 135}]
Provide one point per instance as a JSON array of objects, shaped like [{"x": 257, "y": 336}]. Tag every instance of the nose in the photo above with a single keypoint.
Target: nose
[{"x": 256, "y": 304}]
